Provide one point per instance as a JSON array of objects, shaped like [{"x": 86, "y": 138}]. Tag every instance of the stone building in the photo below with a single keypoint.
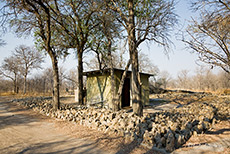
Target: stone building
[{"x": 98, "y": 87}]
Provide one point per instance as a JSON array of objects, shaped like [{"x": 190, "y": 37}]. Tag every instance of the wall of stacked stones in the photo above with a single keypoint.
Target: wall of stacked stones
[{"x": 164, "y": 130}]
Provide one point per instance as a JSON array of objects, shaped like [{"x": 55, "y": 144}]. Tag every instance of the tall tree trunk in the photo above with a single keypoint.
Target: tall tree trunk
[
  {"x": 135, "y": 84},
  {"x": 24, "y": 89},
  {"x": 15, "y": 85},
  {"x": 80, "y": 77},
  {"x": 115, "y": 102},
  {"x": 136, "y": 87},
  {"x": 56, "y": 93}
]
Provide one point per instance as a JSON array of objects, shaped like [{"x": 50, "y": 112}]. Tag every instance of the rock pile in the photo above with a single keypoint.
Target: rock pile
[{"x": 167, "y": 129}]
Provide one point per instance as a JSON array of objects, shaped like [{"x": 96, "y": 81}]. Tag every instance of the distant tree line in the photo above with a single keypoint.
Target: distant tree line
[
  {"x": 41, "y": 83},
  {"x": 203, "y": 80},
  {"x": 20, "y": 64}
]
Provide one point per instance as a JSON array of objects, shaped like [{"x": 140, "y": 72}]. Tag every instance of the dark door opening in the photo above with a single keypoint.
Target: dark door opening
[{"x": 126, "y": 93}]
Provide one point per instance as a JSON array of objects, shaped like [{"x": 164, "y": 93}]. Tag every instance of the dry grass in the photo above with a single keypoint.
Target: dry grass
[
  {"x": 21, "y": 95},
  {"x": 7, "y": 93}
]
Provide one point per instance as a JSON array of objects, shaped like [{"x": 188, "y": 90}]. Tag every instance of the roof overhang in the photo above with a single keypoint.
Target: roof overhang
[{"x": 107, "y": 70}]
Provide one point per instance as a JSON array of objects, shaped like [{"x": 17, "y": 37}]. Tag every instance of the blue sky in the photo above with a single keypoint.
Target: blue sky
[{"x": 179, "y": 59}]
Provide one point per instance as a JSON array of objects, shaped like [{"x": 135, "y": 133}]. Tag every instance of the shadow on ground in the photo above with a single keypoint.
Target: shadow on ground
[
  {"x": 65, "y": 146},
  {"x": 12, "y": 116}
]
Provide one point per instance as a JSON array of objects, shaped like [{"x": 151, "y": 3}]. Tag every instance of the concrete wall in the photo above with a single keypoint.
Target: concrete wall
[
  {"x": 99, "y": 88},
  {"x": 145, "y": 89}
]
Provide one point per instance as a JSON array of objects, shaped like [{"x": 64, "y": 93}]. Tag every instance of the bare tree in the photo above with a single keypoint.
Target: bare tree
[
  {"x": 146, "y": 65},
  {"x": 183, "y": 79},
  {"x": 10, "y": 69},
  {"x": 6, "y": 85},
  {"x": 143, "y": 21},
  {"x": 100, "y": 60},
  {"x": 105, "y": 47},
  {"x": 75, "y": 20},
  {"x": 164, "y": 78},
  {"x": 224, "y": 80},
  {"x": 27, "y": 16},
  {"x": 71, "y": 79},
  {"x": 47, "y": 77},
  {"x": 29, "y": 58},
  {"x": 214, "y": 6},
  {"x": 204, "y": 79},
  {"x": 210, "y": 35}
]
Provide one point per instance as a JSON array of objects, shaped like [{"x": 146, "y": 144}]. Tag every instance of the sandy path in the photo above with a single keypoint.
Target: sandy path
[{"x": 24, "y": 132}]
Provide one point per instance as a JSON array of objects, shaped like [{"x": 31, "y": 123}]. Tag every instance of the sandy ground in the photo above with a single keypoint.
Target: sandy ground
[
  {"x": 25, "y": 131},
  {"x": 22, "y": 131}
]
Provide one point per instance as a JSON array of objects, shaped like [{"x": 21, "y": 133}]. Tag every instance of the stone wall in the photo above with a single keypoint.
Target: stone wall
[{"x": 164, "y": 130}]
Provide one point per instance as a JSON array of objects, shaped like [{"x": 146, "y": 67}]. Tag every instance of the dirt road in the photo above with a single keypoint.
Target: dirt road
[{"x": 23, "y": 131}]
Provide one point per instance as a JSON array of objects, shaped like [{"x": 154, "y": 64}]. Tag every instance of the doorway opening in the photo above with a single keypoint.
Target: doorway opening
[{"x": 126, "y": 93}]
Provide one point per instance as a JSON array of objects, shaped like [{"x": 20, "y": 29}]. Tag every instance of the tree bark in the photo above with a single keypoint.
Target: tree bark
[
  {"x": 135, "y": 84},
  {"x": 136, "y": 87},
  {"x": 47, "y": 40},
  {"x": 24, "y": 89},
  {"x": 114, "y": 103},
  {"x": 15, "y": 86},
  {"x": 80, "y": 78},
  {"x": 56, "y": 94}
]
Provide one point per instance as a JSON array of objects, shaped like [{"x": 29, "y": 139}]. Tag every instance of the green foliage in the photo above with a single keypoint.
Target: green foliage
[
  {"x": 153, "y": 19},
  {"x": 58, "y": 43}
]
